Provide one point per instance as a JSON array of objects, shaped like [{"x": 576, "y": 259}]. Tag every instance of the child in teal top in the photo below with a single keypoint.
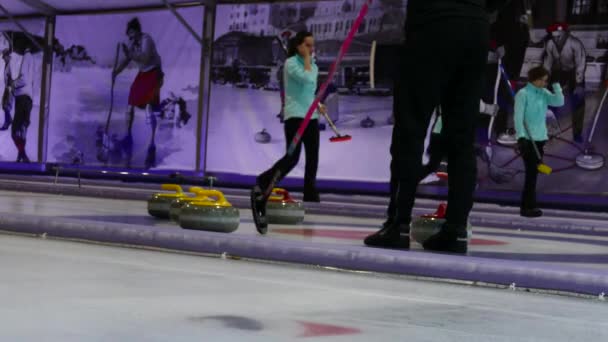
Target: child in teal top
[
  {"x": 300, "y": 76},
  {"x": 531, "y": 104},
  {"x": 300, "y": 87}
]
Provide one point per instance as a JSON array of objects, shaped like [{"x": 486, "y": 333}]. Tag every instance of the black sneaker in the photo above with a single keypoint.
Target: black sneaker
[
  {"x": 258, "y": 209},
  {"x": 532, "y": 213},
  {"x": 451, "y": 239},
  {"x": 391, "y": 236},
  {"x": 388, "y": 222}
]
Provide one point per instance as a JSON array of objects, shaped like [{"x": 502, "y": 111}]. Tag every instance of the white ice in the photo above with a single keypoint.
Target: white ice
[{"x": 65, "y": 291}]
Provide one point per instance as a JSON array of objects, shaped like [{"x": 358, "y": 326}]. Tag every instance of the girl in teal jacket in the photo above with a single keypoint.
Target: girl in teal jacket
[
  {"x": 531, "y": 104},
  {"x": 300, "y": 77}
]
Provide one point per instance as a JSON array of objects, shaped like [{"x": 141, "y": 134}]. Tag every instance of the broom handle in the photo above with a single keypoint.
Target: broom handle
[
  {"x": 112, "y": 89},
  {"x": 597, "y": 115},
  {"x": 495, "y": 101},
  {"x": 372, "y": 70},
  {"x": 331, "y": 124}
]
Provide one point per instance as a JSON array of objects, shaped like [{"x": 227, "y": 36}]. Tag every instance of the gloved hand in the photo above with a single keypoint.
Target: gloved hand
[
  {"x": 522, "y": 143},
  {"x": 491, "y": 109},
  {"x": 500, "y": 52}
]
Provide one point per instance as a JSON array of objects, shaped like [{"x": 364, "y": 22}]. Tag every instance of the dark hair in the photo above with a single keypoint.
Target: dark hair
[
  {"x": 134, "y": 25},
  {"x": 537, "y": 73},
  {"x": 296, "y": 41}
]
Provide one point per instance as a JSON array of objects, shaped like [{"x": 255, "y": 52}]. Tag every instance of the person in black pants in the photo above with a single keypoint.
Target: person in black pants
[
  {"x": 300, "y": 75},
  {"x": 450, "y": 73},
  {"x": 529, "y": 208},
  {"x": 436, "y": 153},
  {"x": 310, "y": 139}
]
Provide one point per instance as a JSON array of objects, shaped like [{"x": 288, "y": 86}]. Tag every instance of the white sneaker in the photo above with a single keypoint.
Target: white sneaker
[{"x": 432, "y": 178}]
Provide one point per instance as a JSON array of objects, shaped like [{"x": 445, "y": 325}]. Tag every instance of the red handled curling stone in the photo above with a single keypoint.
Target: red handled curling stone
[
  {"x": 426, "y": 226},
  {"x": 213, "y": 214},
  {"x": 283, "y": 209},
  {"x": 159, "y": 204}
]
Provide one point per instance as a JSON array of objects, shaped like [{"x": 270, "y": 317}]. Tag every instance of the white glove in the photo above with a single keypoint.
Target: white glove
[
  {"x": 500, "y": 51},
  {"x": 488, "y": 109}
]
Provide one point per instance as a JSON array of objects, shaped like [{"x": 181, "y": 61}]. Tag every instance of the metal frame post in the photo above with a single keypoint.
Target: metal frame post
[
  {"x": 205, "y": 85},
  {"x": 45, "y": 91}
]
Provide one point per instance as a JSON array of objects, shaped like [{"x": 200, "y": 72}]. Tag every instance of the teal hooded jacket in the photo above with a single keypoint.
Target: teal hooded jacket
[
  {"x": 300, "y": 88},
  {"x": 531, "y": 105}
]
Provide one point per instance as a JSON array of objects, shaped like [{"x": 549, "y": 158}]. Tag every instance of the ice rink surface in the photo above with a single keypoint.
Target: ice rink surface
[{"x": 67, "y": 291}]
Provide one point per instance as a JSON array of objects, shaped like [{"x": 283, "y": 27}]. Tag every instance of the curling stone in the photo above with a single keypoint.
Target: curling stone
[
  {"x": 590, "y": 161},
  {"x": 283, "y": 209},
  {"x": 426, "y": 226},
  {"x": 159, "y": 204},
  {"x": 176, "y": 205},
  {"x": 213, "y": 214},
  {"x": 263, "y": 137},
  {"x": 367, "y": 123}
]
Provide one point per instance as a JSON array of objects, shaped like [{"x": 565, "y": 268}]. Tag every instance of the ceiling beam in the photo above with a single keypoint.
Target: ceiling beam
[
  {"x": 41, "y": 6},
  {"x": 183, "y": 22},
  {"x": 23, "y": 29}
]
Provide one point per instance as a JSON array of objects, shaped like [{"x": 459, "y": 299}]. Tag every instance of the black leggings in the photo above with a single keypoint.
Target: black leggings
[
  {"x": 531, "y": 161},
  {"x": 310, "y": 139}
]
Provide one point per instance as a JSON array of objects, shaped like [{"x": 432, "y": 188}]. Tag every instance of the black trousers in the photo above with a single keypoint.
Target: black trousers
[
  {"x": 436, "y": 156},
  {"x": 528, "y": 196},
  {"x": 443, "y": 64},
  {"x": 310, "y": 139}
]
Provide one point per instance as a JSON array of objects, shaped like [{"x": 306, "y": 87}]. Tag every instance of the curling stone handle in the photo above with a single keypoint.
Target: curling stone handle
[
  {"x": 282, "y": 192},
  {"x": 195, "y": 189},
  {"x": 220, "y": 198},
  {"x": 172, "y": 187}
]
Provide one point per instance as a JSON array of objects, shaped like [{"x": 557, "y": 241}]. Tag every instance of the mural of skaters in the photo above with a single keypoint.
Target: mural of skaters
[
  {"x": 21, "y": 59},
  {"x": 105, "y": 120},
  {"x": 524, "y": 34}
]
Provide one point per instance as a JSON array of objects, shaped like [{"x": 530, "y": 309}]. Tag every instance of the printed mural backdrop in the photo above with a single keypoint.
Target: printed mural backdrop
[
  {"x": 20, "y": 90},
  {"x": 245, "y": 90},
  {"x": 82, "y": 91},
  {"x": 246, "y": 100}
]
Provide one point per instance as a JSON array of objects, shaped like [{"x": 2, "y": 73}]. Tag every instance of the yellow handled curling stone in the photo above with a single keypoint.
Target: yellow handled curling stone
[
  {"x": 159, "y": 203},
  {"x": 283, "y": 209},
  {"x": 426, "y": 226},
  {"x": 213, "y": 213},
  {"x": 177, "y": 204}
]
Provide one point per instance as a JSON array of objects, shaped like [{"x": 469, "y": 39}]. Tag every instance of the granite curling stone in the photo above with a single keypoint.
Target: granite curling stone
[
  {"x": 283, "y": 209},
  {"x": 213, "y": 214}
]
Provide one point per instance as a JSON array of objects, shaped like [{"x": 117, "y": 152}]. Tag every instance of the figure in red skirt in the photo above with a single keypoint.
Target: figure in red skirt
[{"x": 145, "y": 90}]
